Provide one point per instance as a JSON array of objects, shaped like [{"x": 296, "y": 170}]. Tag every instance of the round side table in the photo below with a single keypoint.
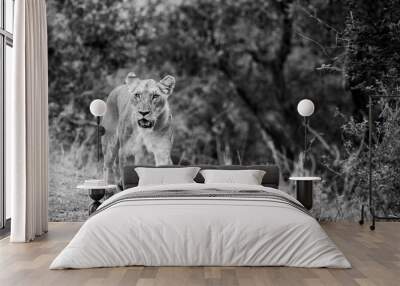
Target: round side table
[
  {"x": 304, "y": 190},
  {"x": 96, "y": 193}
]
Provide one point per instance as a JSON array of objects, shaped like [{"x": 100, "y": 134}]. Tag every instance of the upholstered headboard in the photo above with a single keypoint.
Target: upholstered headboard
[{"x": 130, "y": 178}]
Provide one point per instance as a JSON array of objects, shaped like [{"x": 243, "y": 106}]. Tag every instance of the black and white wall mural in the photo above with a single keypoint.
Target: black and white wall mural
[{"x": 218, "y": 82}]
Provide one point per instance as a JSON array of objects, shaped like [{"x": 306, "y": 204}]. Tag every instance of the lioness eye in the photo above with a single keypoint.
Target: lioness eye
[{"x": 155, "y": 96}]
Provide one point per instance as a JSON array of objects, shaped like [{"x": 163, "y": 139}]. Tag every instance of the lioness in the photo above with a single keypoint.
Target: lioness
[{"x": 138, "y": 116}]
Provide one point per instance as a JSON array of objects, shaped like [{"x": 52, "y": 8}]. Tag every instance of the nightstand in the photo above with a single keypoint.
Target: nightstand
[
  {"x": 304, "y": 190},
  {"x": 96, "y": 193}
]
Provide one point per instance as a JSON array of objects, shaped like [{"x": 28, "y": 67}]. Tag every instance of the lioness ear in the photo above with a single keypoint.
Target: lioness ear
[
  {"x": 167, "y": 84},
  {"x": 130, "y": 77}
]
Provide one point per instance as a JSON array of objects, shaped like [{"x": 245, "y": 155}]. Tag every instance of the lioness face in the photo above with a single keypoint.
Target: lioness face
[{"x": 149, "y": 99}]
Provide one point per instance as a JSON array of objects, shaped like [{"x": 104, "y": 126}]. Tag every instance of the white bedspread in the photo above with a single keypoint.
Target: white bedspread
[{"x": 200, "y": 231}]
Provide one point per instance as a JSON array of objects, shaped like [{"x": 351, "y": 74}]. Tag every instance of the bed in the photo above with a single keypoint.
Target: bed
[{"x": 198, "y": 224}]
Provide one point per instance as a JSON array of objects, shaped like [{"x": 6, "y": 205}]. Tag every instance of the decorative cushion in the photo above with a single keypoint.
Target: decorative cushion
[
  {"x": 247, "y": 177},
  {"x": 162, "y": 176}
]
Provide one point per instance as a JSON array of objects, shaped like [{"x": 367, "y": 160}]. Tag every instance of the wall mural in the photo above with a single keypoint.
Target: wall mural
[{"x": 218, "y": 82}]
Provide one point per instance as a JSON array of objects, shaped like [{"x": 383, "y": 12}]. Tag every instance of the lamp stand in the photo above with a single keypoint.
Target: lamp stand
[
  {"x": 305, "y": 144},
  {"x": 98, "y": 138}
]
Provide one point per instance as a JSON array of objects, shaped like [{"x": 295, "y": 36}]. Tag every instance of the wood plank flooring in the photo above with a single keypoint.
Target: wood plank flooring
[{"x": 375, "y": 257}]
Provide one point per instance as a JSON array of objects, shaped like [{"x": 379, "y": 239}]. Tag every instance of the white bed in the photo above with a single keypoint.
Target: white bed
[{"x": 207, "y": 230}]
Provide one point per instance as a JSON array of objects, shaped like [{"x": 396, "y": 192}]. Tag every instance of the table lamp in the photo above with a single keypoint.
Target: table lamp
[
  {"x": 98, "y": 108},
  {"x": 305, "y": 108}
]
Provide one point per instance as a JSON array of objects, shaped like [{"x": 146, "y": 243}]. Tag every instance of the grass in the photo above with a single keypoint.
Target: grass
[{"x": 66, "y": 202}]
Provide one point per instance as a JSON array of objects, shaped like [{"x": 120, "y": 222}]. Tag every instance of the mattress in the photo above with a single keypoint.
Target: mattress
[{"x": 201, "y": 225}]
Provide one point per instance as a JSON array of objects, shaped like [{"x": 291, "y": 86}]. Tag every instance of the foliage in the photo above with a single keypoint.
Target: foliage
[
  {"x": 371, "y": 69},
  {"x": 373, "y": 57},
  {"x": 241, "y": 68},
  {"x": 373, "y": 31}
]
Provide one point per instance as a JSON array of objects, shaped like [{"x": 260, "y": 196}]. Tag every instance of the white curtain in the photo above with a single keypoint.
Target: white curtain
[{"x": 27, "y": 124}]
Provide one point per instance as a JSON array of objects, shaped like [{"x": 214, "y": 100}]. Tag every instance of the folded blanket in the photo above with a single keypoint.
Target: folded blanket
[{"x": 205, "y": 193}]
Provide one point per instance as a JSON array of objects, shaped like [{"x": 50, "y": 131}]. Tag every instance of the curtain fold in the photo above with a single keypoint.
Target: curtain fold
[{"x": 27, "y": 118}]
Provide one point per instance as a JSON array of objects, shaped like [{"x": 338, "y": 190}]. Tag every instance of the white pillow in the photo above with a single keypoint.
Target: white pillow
[
  {"x": 248, "y": 177},
  {"x": 163, "y": 176}
]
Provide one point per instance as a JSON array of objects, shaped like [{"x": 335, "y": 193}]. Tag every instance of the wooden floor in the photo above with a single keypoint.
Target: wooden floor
[{"x": 375, "y": 257}]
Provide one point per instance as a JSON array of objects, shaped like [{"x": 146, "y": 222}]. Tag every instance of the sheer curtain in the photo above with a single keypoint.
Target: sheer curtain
[{"x": 27, "y": 124}]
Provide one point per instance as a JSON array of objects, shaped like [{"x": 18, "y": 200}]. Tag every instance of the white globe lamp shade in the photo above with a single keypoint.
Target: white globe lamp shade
[
  {"x": 305, "y": 107},
  {"x": 98, "y": 107}
]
